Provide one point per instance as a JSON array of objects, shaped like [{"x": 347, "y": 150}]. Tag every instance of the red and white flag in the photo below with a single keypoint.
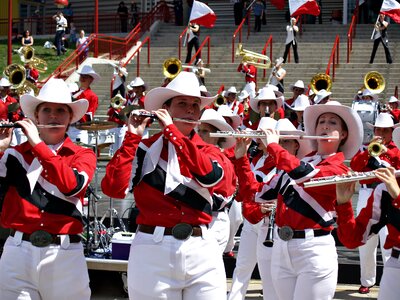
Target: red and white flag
[
  {"x": 391, "y": 8},
  {"x": 279, "y": 4},
  {"x": 201, "y": 14},
  {"x": 303, "y": 7}
]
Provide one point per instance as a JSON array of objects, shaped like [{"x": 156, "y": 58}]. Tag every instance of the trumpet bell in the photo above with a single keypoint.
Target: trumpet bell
[
  {"x": 27, "y": 55},
  {"x": 17, "y": 76},
  {"x": 172, "y": 67},
  {"x": 321, "y": 81},
  {"x": 375, "y": 82},
  {"x": 117, "y": 102}
]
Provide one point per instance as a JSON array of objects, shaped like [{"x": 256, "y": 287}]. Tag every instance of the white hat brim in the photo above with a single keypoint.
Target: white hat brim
[
  {"x": 222, "y": 126},
  {"x": 396, "y": 136}
]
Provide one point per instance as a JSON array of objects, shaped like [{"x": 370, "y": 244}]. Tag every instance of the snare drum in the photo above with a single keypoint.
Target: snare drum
[
  {"x": 368, "y": 111},
  {"x": 104, "y": 138}
]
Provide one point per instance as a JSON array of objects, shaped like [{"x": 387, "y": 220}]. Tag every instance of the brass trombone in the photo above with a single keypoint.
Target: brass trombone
[
  {"x": 17, "y": 76},
  {"x": 27, "y": 55},
  {"x": 173, "y": 66},
  {"x": 253, "y": 57},
  {"x": 321, "y": 81}
]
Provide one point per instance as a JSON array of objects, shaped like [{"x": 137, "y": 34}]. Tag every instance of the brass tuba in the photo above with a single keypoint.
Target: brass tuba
[
  {"x": 321, "y": 81},
  {"x": 374, "y": 81},
  {"x": 252, "y": 58},
  {"x": 117, "y": 102},
  {"x": 17, "y": 76},
  {"x": 27, "y": 55}
]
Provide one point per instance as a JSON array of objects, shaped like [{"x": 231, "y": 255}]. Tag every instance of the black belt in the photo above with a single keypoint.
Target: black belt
[
  {"x": 180, "y": 231},
  {"x": 370, "y": 185},
  {"x": 42, "y": 238},
  {"x": 286, "y": 233},
  {"x": 395, "y": 253}
]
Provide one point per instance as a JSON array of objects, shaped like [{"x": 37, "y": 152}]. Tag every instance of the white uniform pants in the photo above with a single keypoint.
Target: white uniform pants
[
  {"x": 245, "y": 261},
  {"x": 250, "y": 87},
  {"x": 305, "y": 269},
  {"x": 368, "y": 251},
  {"x": 389, "y": 286},
  {"x": 235, "y": 218},
  {"x": 220, "y": 226},
  {"x": 162, "y": 267},
  {"x": 53, "y": 272},
  {"x": 264, "y": 255}
]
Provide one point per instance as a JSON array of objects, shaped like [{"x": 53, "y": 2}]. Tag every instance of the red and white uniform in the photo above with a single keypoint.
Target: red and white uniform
[
  {"x": 136, "y": 100},
  {"x": 119, "y": 131},
  {"x": 381, "y": 210},
  {"x": 363, "y": 162},
  {"x": 32, "y": 74},
  {"x": 309, "y": 213},
  {"x": 236, "y": 107},
  {"x": 3, "y": 112},
  {"x": 250, "y": 72},
  {"x": 172, "y": 181},
  {"x": 255, "y": 227},
  {"x": 18, "y": 135},
  {"x": 43, "y": 190}
]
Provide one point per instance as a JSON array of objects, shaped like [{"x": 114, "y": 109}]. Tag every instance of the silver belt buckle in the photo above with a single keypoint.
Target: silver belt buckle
[
  {"x": 41, "y": 238},
  {"x": 285, "y": 233},
  {"x": 182, "y": 231}
]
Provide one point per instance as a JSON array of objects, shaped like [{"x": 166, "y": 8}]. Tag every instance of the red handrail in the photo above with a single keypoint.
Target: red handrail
[
  {"x": 206, "y": 40},
  {"x": 351, "y": 33},
  {"x": 181, "y": 36},
  {"x": 239, "y": 31},
  {"x": 334, "y": 58},
  {"x": 396, "y": 92},
  {"x": 264, "y": 51}
]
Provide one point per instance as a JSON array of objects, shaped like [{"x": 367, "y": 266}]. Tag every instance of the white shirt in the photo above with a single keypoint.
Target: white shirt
[{"x": 290, "y": 33}]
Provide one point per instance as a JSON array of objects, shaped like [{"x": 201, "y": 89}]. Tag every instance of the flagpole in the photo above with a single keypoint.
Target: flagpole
[
  {"x": 376, "y": 23},
  {"x": 186, "y": 34}
]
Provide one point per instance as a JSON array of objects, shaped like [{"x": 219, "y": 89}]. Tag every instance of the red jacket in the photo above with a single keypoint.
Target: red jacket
[
  {"x": 250, "y": 71},
  {"x": 90, "y": 96},
  {"x": 56, "y": 202},
  {"x": 113, "y": 116},
  {"x": 188, "y": 202},
  {"x": 16, "y": 115}
]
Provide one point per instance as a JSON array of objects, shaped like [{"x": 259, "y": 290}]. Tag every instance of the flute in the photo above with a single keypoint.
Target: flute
[
  {"x": 16, "y": 125},
  {"x": 261, "y": 134},
  {"x": 343, "y": 178},
  {"x": 154, "y": 117}
]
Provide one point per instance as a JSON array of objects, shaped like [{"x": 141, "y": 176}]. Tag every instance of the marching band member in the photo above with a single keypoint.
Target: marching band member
[
  {"x": 322, "y": 96},
  {"x": 253, "y": 177},
  {"x": 244, "y": 98},
  {"x": 304, "y": 258},
  {"x": 382, "y": 209},
  {"x": 380, "y": 36},
  {"x": 87, "y": 76},
  {"x": 232, "y": 102},
  {"x": 277, "y": 75},
  {"x": 250, "y": 72},
  {"x": 139, "y": 88},
  {"x": 114, "y": 115},
  {"x": 44, "y": 180},
  {"x": 299, "y": 105},
  {"x": 119, "y": 76},
  {"x": 291, "y": 29},
  {"x": 173, "y": 177},
  {"x": 394, "y": 108},
  {"x": 363, "y": 161},
  {"x": 298, "y": 88},
  {"x": 224, "y": 191}
]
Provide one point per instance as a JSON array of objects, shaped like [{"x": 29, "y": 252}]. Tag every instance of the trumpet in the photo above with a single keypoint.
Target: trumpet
[
  {"x": 117, "y": 101},
  {"x": 253, "y": 57},
  {"x": 261, "y": 134},
  {"x": 356, "y": 176},
  {"x": 173, "y": 66},
  {"x": 219, "y": 101},
  {"x": 376, "y": 148},
  {"x": 27, "y": 55}
]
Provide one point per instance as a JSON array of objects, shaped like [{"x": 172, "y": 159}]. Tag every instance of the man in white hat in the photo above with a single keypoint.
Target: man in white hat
[
  {"x": 322, "y": 96},
  {"x": 366, "y": 160},
  {"x": 267, "y": 104},
  {"x": 212, "y": 121},
  {"x": 87, "y": 76},
  {"x": 250, "y": 72},
  {"x": 291, "y": 30},
  {"x": 232, "y": 102},
  {"x": 393, "y": 105},
  {"x": 298, "y": 88},
  {"x": 301, "y": 103},
  {"x": 277, "y": 75},
  {"x": 244, "y": 98},
  {"x": 45, "y": 180},
  {"x": 15, "y": 113},
  {"x": 172, "y": 178},
  {"x": 138, "y": 87}
]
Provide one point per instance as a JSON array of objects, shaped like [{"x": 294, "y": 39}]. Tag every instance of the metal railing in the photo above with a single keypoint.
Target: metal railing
[
  {"x": 351, "y": 33},
  {"x": 264, "y": 52},
  {"x": 238, "y": 32},
  {"x": 181, "y": 36},
  {"x": 207, "y": 41},
  {"x": 333, "y": 59}
]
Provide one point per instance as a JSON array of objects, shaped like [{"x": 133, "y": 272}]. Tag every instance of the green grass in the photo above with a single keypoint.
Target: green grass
[{"x": 49, "y": 55}]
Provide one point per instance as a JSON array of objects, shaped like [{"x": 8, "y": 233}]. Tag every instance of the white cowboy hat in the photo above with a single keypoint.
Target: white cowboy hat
[
  {"x": 232, "y": 90},
  {"x": 284, "y": 126},
  {"x": 383, "y": 120},
  {"x": 299, "y": 84},
  {"x": 321, "y": 94},
  {"x": 184, "y": 84},
  {"x": 266, "y": 93},
  {"x": 396, "y": 136},
  {"x": 266, "y": 123},
  {"x": 300, "y": 103},
  {"x": 243, "y": 95},
  {"x": 138, "y": 82},
  {"x": 88, "y": 70},
  {"x": 226, "y": 111},
  {"x": 367, "y": 92},
  {"x": 348, "y": 115},
  {"x": 5, "y": 82},
  {"x": 278, "y": 61},
  {"x": 54, "y": 91},
  {"x": 393, "y": 99},
  {"x": 212, "y": 117}
]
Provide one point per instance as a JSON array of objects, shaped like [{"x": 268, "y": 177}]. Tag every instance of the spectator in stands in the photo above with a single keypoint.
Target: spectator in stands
[
  {"x": 68, "y": 13},
  {"x": 135, "y": 14},
  {"x": 61, "y": 25},
  {"x": 178, "y": 10},
  {"x": 72, "y": 34},
  {"x": 27, "y": 39},
  {"x": 122, "y": 11},
  {"x": 291, "y": 29},
  {"x": 258, "y": 10},
  {"x": 238, "y": 11},
  {"x": 81, "y": 42},
  {"x": 380, "y": 36}
]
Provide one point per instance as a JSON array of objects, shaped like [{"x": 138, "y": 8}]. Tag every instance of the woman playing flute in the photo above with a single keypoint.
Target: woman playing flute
[{"x": 304, "y": 259}]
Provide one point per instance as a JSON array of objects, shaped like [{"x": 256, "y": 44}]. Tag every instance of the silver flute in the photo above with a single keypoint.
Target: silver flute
[
  {"x": 356, "y": 176},
  {"x": 261, "y": 134},
  {"x": 154, "y": 117},
  {"x": 16, "y": 125}
]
